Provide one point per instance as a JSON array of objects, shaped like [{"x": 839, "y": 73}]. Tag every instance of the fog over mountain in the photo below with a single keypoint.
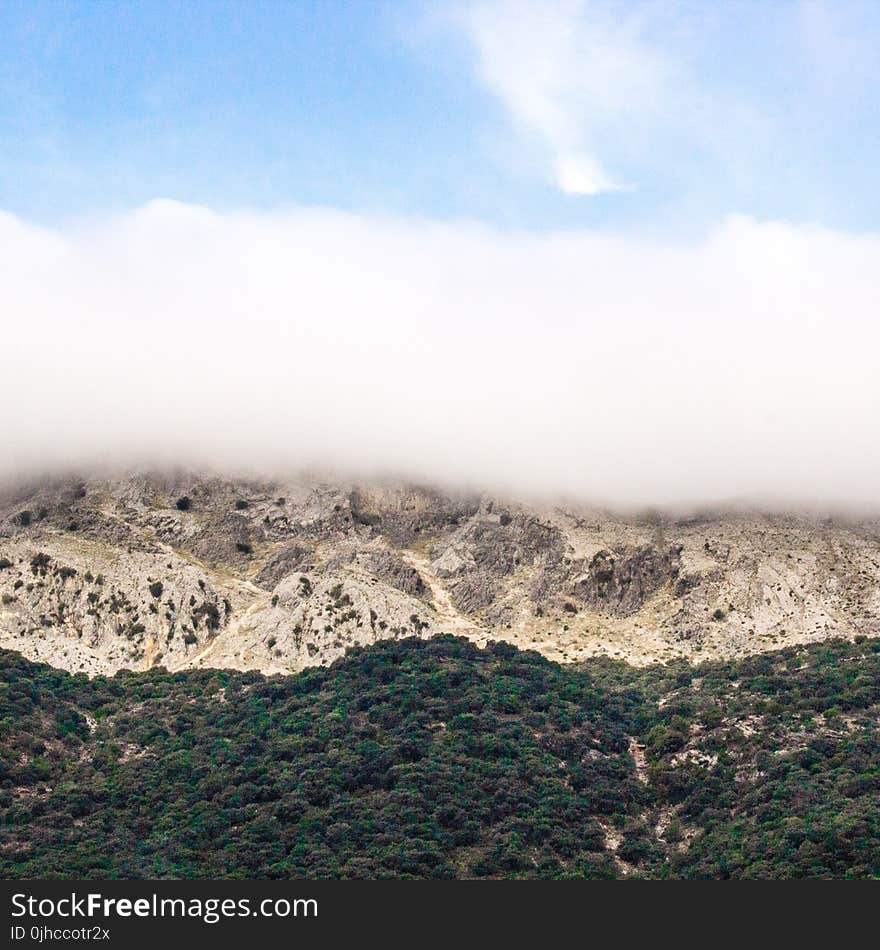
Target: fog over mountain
[{"x": 624, "y": 369}]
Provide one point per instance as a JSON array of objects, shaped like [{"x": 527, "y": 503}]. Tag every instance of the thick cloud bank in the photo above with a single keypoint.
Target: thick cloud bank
[{"x": 614, "y": 368}]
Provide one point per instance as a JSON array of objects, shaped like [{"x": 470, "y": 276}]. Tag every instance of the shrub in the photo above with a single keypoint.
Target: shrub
[
  {"x": 183, "y": 504},
  {"x": 39, "y": 563},
  {"x": 211, "y": 615}
]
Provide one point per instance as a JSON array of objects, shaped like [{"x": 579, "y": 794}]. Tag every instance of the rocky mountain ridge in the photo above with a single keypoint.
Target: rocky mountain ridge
[{"x": 186, "y": 570}]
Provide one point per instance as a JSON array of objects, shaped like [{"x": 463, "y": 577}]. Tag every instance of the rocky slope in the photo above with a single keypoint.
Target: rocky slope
[{"x": 186, "y": 570}]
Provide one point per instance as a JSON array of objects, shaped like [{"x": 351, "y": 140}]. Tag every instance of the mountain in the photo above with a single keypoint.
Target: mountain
[{"x": 186, "y": 570}]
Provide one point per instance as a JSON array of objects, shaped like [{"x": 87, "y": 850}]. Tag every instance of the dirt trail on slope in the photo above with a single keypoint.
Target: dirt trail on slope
[
  {"x": 449, "y": 618},
  {"x": 637, "y": 751},
  {"x": 229, "y": 633}
]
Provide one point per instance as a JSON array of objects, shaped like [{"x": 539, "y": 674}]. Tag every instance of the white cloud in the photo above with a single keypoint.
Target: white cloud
[
  {"x": 581, "y": 175},
  {"x": 570, "y": 73},
  {"x": 611, "y": 368}
]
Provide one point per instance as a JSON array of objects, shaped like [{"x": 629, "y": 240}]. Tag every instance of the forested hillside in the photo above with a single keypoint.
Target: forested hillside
[{"x": 434, "y": 758}]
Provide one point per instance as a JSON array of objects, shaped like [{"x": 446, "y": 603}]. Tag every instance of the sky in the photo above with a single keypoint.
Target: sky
[
  {"x": 626, "y": 251},
  {"x": 537, "y": 115}
]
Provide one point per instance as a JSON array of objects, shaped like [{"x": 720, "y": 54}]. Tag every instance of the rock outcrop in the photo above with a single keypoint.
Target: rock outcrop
[{"x": 185, "y": 570}]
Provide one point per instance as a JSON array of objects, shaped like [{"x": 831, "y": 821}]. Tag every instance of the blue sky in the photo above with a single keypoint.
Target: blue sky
[{"x": 532, "y": 116}]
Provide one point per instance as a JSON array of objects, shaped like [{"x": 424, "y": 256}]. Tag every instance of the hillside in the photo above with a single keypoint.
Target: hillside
[
  {"x": 186, "y": 571},
  {"x": 438, "y": 759}
]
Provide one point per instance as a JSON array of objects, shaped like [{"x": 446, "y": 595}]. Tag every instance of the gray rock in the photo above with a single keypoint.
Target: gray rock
[{"x": 621, "y": 581}]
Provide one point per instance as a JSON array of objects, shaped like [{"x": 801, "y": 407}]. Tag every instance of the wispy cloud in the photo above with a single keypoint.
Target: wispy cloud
[
  {"x": 568, "y": 72},
  {"x": 728, "y": 106}
]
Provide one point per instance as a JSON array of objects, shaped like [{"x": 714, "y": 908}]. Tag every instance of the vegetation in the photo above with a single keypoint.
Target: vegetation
[{"x": 437, "y": 759}]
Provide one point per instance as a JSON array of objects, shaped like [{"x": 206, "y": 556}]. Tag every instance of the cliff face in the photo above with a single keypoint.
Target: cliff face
[{"x": 186, "y": 570}]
